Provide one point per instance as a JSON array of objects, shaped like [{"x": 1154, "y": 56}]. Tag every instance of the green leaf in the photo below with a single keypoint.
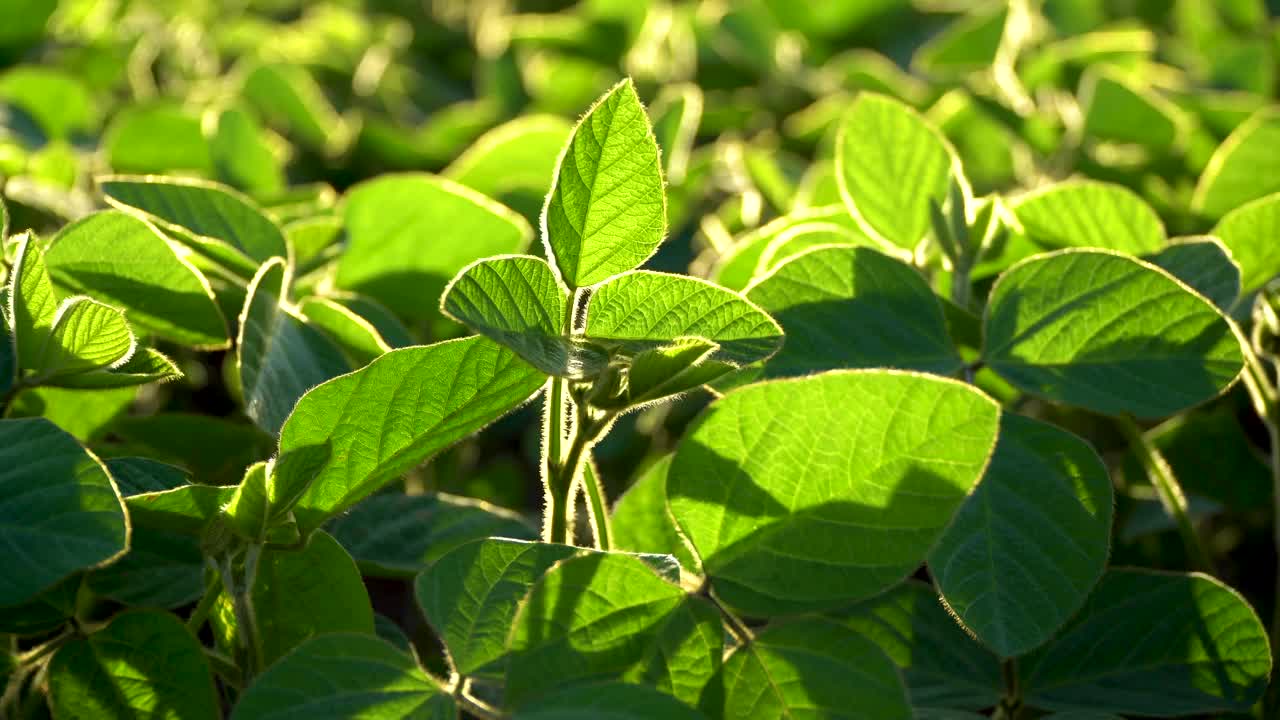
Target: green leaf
[
  {"x": 301, "y": 594},
  {"x": 607, "y": 211},
  {"x": 314, "y": 240},
  {"x": 1244, "y": 167},
  {"x": 1205, "y": 265},
  {"x": 1108, "y": 333},
  {"x": 606, "y": 701},
  {"x": 290, "y": 474},
  {"x": 1027, "y": 547},
  {"x": 808, "y": 668},
  {"x": 279, "y": 356},
  {"x": 85, "y": 415},
  {"x": 184, "y": 510},
  {"x": 1152, "y": 643},
  {"x": 409, "y": 235},
  {"x": 471, "y": 595},
  {"x": 1249, "y": 232},
  {"x": 601, "y": 616},
  {"x": 57, "y": 101},
  {"x": 142, "y": 664},
  {"x": 666, "y": 371},
  {"x": 162, "y": 570},
  {"x": 216, "y": 450},
  {"x": 890, "y": 162},
  {"x": 121, "y": 260},
  {"x": 396, "y": 535},
  {"x": 641, "y": 520},
  {"x": 138, "y": 475},
  {"x": 340, "y": 676},
  {"x": 793, "y": 241},
  {"x": 45, "y": 613},
  {"x": 887, "y": 458},
  {"x": 212, "y": 219},
  {"x": 643, "y": 310},
  {"x": 291, "y": 99},
  {"x": 970, "y": 43},
  {"x": 32, "y": 303},
  {"x": 359, "y": 339},
  {"x": 851, "y": 307},
  {"x": 86, "y": 335},
  {"x": 677, "y": 112},
  {"x": 240, "y": 153},
  {"x": 156, "y": 137},
  {"x": 515, "y": 162},
  {"x": 387, "y": 324},
  {"x": 738, "y": 267},
  {"x": 1119, "y": 110},
  {"x": 442, "y": 393},
  {"x": 1087, "y": 213},
  {"x": 247, "y": 510},
  {"x": 144, "y": 366},
  {"x": 516, "y": 301},
  {"x": 59, "y": 510},
  {"x": 943, "y": 667}
]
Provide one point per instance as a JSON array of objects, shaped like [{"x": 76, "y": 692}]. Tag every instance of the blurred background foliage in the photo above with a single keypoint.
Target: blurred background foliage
[{"x": 293, "y": 102}]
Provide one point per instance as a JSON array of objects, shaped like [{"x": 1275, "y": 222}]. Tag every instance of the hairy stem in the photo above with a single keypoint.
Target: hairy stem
[
  {"x": 1169, "y": 491},
  {"x": 556, "y": 521},
  {"x": 599, "y": 510}
]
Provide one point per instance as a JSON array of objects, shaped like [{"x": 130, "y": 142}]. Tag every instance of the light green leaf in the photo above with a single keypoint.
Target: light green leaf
[
  {"x": 601, "y": 616},
  {"x": 144, "y": 366},
  {"x": 358, "y": 338},
  {"x": 290, "y": 474},
  {"x": 314, "y": 240},
  {"x": 641, "y": 521},
  {"x": 409, "y": 235},
  {"x": 943, "y": 667},
  {"x": 970, "y": 43},
  {"x": 607, "y": 211},
  {"x": 516, "y": 301},
  {"x": 851, "y": 307},
  {"x": 240, "y": 153},
  {"x": 886, "y": 458},
  {"x": 606, "y": 701},
  {"x": 156, "y": 137},
  {"x": 187, "y": 509},
  {"x": 301, "y": 594},
  {"x": 1250, "y": 233},
  {"x": 677, "y": 112},
  {"x": 1152, "y": 643},
  {"x": 795, "y": 240},
  {"x": 1027, "y": 547},
  {"x": 32, "y": 303},
  {"x": 291, "y": 99},
  {"x": 392, "y": 330},
  {"x": 890, "y": 163},
  {"x": 396, "y": 535},
  {"x": 1119, "y": 110},
  {"x": 85, "y": 415},
  {"x": 737, "y": 267},
  {"x": 278, "y": 354},
  {"x": 1108, "y": 333},
  {"x": 808, "y": 668},
  {"x": 57, "y": 101},
  {"x": 442, "y": 393},
  {"x": 86, "y": 335},
  {"x": 471, "y": 594},
  {"x": 642, "y": 310},
  {"x": 1205, "y": 264},
  {"x": 247, "y": 511},
  {"x": 59, "y": 509},
  {"x": 666, "y": 371},
  {"x": 123, "y": 261},
  {"x": 142, "y": 664},
  {"x": 515, "y": 162},
  {"x": 1245, "y": 167},
  {"x": 214, "y": 220},
  {"x": 342, "y": 676},
  {"x": 1087, "y": 213}
]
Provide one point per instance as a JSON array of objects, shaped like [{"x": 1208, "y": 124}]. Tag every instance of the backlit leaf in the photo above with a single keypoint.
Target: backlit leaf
[
  {"x": 1205, "y": 264},
  {"x": 606, "y": 212},
  {"x": 816, "y": 492},
  {"x": 1089, "y": 214},
  {"x": 1249, "y": 232},
  {"x": 1245, "y": 167}
]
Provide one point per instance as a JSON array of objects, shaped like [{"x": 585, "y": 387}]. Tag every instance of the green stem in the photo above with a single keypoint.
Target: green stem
[
  {"x": 201, "y": 613},
  {"x": 599, "y": 510},
  {"x": 251, "y": 558},
  {"x": 1169, "y": 491},
  {"x": 556, "y": 522},
  {"x": 1010, "y": 707}
]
